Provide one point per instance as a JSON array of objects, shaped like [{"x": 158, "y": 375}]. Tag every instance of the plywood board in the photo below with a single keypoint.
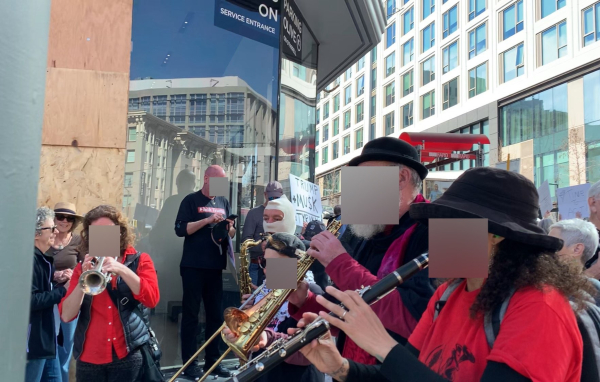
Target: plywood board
[
  {"x": 93, "y": 35},
  {"x": 85, "y": 106},
  {"x": 86, "y": 177}
]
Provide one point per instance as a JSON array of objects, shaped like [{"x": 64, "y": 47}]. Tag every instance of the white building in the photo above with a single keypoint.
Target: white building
[{"x": 524, "y": 72}]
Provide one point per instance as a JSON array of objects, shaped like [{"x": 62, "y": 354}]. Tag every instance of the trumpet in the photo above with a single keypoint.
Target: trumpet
[{"x": 93, "y": 282}]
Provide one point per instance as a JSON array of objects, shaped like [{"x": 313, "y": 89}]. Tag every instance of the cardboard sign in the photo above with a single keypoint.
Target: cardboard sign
[
  {"x": 545, "y": 198},
  {"x": 306, "y": 198},
  {"x": 573, "y": 201}
]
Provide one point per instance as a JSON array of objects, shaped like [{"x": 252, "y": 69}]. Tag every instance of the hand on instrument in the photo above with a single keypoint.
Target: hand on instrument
[
  {"x": 244, "y": 298},
  {"x": 87, "y": 263},
  {"x": 299, "y": 296},
  {"x": 325, "y": 247},
  {"x": 359, "y": 322},
  {"x": 322, "y": 352},
  {"x": 67, "y": 274},
  {"x": 232, "y": 337},
  {"x": 111, "y": 265}
]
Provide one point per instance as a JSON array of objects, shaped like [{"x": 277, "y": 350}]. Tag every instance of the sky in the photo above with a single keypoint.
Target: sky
[{"x": 203, "y": 50}]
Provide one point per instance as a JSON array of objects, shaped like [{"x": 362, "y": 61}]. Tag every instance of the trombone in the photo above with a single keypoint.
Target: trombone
[
  {"x": 208, "y": 341},
  {"x": 93, "y": 281}
]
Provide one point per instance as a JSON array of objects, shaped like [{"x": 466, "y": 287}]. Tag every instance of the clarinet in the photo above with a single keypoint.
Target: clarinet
[{"x": 284, "y": 348}]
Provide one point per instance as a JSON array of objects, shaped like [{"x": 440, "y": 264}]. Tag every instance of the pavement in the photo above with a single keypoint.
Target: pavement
[{"x": 230, "y": 364}]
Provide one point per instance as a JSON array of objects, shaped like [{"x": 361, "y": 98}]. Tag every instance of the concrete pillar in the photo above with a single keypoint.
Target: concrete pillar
[{"x": 24, "y": 26}]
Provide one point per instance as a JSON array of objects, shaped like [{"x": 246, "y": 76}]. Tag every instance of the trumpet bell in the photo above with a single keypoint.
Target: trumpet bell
[{"x": 93, "y": 282}]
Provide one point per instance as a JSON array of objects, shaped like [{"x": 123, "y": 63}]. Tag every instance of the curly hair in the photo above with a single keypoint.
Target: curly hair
[
  {"x": 110, "y": 212},
  {"x": 520, "y": 265}
]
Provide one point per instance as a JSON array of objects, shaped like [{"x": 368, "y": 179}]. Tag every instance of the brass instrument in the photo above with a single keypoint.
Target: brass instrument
[
  {"x": 245, "y": 282},
  {"x": 249, "y": 325},
  {"x": 93, "y": 281}
]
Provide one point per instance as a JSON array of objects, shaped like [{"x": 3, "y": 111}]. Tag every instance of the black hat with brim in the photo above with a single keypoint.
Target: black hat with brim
[
  {"x": 508, "y": 200},
  {"x": 394, "y": 150},
  {"x": 285, "y": 244}
]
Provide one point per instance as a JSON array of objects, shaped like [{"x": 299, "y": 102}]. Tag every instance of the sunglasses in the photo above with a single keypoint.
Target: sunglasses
[
  {"x": 61, "y": 217},
  {"x": 274, "y": 197},
  {"x": 53, "y": 228}
]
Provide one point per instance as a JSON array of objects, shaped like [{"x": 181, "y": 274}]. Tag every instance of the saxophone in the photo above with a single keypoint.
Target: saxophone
[
  {"x": 245, "y": 283},
  {"x": 249, "y": 325}
]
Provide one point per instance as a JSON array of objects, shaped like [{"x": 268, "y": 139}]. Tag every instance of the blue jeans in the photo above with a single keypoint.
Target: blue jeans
[
  {"x": 254, "y": 272},
  {"x": 65, "y": 351},
  {"x": 43, "y": 370}
]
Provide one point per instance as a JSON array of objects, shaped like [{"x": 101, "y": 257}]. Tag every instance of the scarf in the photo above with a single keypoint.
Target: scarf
[{"x": 391, "y": 261}]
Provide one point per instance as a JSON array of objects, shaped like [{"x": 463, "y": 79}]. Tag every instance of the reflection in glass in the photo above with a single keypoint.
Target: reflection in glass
[{"x": 513, "y": 63}]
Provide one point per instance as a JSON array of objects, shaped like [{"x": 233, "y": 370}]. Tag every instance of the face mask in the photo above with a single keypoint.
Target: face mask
[{"x": 288, "y": 224}]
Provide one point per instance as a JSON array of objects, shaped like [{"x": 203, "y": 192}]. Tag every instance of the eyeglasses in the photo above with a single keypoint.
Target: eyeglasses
[
  {"x": 61, "y": 217},
  {"x": 52, "y": 229}
]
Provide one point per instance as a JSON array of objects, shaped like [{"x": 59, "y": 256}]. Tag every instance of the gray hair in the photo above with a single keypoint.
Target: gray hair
[
  {"x": 545, "y": 224},
  {"x": 414, "y": 176},
  {"x": 594, "y": 191},
  {"x": 41, "y": 215},
  {"x": 577, "y": 231}
]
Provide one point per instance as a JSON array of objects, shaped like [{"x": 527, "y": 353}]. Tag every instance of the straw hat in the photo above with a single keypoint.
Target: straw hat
[{"x": 66, "y": 208}]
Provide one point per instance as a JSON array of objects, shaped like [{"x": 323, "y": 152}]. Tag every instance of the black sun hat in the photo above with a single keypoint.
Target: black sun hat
[
  {"x": 508, "y": 200},
  {"x": 393, "y": 150}
]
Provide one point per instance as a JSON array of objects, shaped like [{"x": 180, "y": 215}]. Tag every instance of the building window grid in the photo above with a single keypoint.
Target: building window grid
[
  {"x": 390, "y": 64},
  {"x": 326, "y": 110},
  {"x": 360, "y": 64},
  {"x": 389, "y": 123},
  {"x": 325, "y": 155},
  {"x": 336, "y": 127},
  {"x": 407, "y": 83},
  {"x": 373, "y": 109},
  {"x": 591, "y": 24},
  {"x": 390, "y": 35},
  {"x": 347, "y": 120},
  {"x": 359, "y": 112},
  {"x": 478, "y": 40},
  {"x": 450, "y": 94},
  {"x": 360, "y": 86},
  {"x": 336, "y": 103},
  {"x": 556, "y": 37},
  {"x": 512, "y": 20},
  {"x": 347, "y": 95},
  {"x": 513, "y": 63},
  {"x": 373, "y": 78},
  {"x": 476, "y": 7},
  {"x": 428, "y": 7},
  {"x": 347, "y": 144},
  {"x": 391, "y": 8},
  {"x": 390, "y": 93},
  {"x": 408, "y": 19},
  {"x": 548, "y": 7},
  {"x": 428, "y": 102},
  {"x": 428, "y": 71},
  {"x": 478, "y": 80},
  {"x": 450, "y": 24},
  {"x": 358, "y": 139},
  {"x": 428, "y": 37},
  {"x": 335, "y": 148},
  {"x": 348, "y": 74},
  {"x": 407, "y": 115},
  {"x": 450, "y": 57},
  {"x": 408, "y": 51}
]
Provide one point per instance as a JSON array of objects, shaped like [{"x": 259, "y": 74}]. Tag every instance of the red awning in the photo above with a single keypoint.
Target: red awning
[{"x": 439, "y": 145}]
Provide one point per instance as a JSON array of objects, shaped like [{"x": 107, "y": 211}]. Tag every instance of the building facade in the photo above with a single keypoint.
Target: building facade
[{"x": 525, "y": 73}]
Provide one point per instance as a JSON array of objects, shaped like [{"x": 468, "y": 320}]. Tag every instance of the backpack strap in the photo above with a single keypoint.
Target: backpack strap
[
  {"x": 442, "y": 301},
  {"x": 492, "y": 320}
]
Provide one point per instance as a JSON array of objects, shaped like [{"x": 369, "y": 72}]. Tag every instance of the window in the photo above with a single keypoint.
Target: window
[
  {"x": 134, "y": 103},
  {"x": 450, "y": 21},
  {"x": 407, "y": 83},
  {"x": 477, "y": 40},
  {"x": 390, "y": 64},
  {"x": 512, "y": 63},
  {"x": 428, "y": 8},
  {"x": 408, "y": 20},
  {"x": 450, "y": 57},
  {"x": 318, "y": 115},
  {"x": 348, "y": 74},
  {"x": 374, "y": 55},
  {"x": 478, "y": 80},
  {"x": 317, "y": 159},
  {"x": 337, "y": 81},
  {"x": 389, "y": 123},
  {"x": 373, "y": 78},
  {"x": 177, "y": 109},
  {"x": 360, "y": 64},
  {"x": 132, "y": 134},
  {"x": 407, "y": 115},
  {"x": 390, "y": 35},
  {"x": 373, "y": 105},
  {"x": 428, "y": 70},
  {"x": 358, "y": 139},
  {"x": 336, "y": 103},
  {"x": 554, "y": 43},
  {"x": 326, "y": 110},
  {"x": 390, "y": 93},
  {"x": 347, "y": 95},
  {"x": 347, "y": 120},
  {"x": 360, "y": 86},
  {"x": 450, "y": 94},
  {"x": 325, "y": 155},
  {"x": 428, "y": 37},
  {"x": 335, "y": 150},
  {"x": 360, "y": 112},
  {"x": 130, "y": 156},
  {"x": 408, "y": 51},
  {"x": 476, "y": 7},
  {"x": 591, "y": 24},
  {"x": 336, "y": 127},
  {"x": 128, "y": 179},
  {"x": 317, "y": 134},
  {"x": 391, "y": 8},
  {"x": 159, "y": 106},
  {"x": 512, "y": 20},
  {"x": 372, "y": 132},
  {"x": 428, "y": 101},
  {"x": 347, "y": 144},
  {"x": 325, "y": 133},
  {"x": 548, "y": 7}
]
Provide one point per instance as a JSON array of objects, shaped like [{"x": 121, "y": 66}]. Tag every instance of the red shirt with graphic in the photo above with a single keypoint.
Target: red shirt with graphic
[{"x": 538, "y": 337}]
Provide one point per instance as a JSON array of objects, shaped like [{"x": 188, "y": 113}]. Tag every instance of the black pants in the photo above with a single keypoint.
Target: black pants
[
  {"x": 201, "y": 285},
  {"x": 126, "y": 369}
]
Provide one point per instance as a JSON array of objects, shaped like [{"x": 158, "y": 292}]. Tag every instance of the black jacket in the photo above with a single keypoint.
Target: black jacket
[{"x": 41, "y": 335}]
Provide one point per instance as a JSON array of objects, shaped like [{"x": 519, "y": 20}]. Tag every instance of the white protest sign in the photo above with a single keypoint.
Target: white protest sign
[
  {"x": 306, "y": 198},
  {"x": 572, "y": 201},
  {"x": 545, "y": 198}
]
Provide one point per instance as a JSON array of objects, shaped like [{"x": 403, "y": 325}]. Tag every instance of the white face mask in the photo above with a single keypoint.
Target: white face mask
[
  {"x": 288, "y": 224},
  {"x": 367, "y": 231}
]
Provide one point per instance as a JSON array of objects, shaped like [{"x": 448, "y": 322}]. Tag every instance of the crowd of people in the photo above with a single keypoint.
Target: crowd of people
[{"x": 535, "y": 317}]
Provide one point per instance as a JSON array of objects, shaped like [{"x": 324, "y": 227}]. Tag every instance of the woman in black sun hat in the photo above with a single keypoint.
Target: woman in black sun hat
[{"x": 538, "y": 339}]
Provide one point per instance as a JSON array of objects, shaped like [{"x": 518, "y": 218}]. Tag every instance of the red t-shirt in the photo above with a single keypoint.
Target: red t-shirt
[{"x": 538, "y": 337}]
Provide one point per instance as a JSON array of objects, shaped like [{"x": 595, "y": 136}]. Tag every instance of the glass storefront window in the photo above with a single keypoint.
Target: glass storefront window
[{"x": 591, "y": 117}]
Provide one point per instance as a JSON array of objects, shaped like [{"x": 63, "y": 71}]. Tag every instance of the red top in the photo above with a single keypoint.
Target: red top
[
  {"x": 538, "y": 337},
  {"x": 106, "y": 330}
]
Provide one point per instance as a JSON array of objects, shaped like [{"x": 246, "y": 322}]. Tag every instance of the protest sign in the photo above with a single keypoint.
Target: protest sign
[
  {"x": 545, "y": 198},
  {"x": 306, "y": 198},
  {"x": 572, "y": 201}
]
